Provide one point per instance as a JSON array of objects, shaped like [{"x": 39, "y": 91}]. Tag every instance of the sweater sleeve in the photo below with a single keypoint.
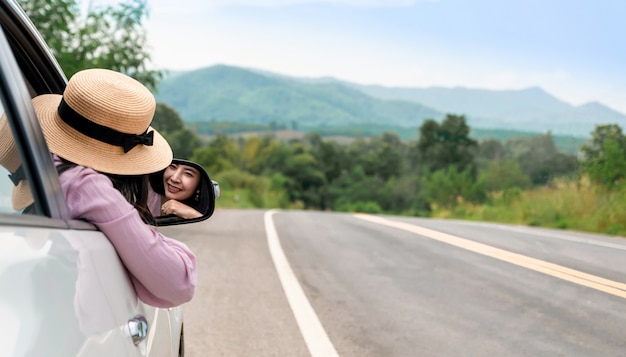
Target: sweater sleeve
[{"x": 162, "y": 270}]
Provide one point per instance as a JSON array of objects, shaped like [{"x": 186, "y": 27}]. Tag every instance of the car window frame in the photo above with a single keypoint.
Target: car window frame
[{"x": 45, "y": 76}]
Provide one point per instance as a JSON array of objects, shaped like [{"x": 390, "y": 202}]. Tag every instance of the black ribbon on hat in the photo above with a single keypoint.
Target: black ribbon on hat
[
  {"x": 101, "y": 132},
  {"x": 17, "y": 176},
  {"x": 134, "y": 140}
]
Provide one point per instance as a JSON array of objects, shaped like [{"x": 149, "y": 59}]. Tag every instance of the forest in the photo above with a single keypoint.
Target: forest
[{"x": 443, "y": 173}]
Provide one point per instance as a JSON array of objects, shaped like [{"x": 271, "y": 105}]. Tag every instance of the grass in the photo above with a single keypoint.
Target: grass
[{"x": 566, "y": 204}]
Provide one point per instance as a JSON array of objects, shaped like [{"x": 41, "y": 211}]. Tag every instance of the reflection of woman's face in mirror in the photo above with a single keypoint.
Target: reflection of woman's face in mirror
[{"x": 180, "y": 181}]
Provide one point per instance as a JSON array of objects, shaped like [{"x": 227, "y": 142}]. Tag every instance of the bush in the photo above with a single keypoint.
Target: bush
[
  {"x": 361, "y": 207},
  {"x": 616, "y": 229}
]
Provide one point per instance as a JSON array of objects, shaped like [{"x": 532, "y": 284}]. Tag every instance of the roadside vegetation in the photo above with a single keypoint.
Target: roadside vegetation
[
  {"x": 566, "y": 204},
  {"x": 443, "y": 173}
]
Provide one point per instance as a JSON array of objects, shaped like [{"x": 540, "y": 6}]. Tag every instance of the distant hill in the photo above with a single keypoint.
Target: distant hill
[
  {"x": 526, "y": 109},
  {"x": 231, "y": 94}
]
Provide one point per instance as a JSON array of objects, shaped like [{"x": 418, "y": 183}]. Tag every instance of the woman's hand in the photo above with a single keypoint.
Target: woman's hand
[{"x": 179, "y": 209}]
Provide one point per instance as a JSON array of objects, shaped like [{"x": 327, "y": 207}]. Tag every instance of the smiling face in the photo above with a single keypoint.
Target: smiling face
[{"x": 180, "y": 181}]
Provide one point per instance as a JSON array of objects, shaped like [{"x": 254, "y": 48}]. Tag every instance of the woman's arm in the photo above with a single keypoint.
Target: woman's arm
[
  {"x": 180, "y": 209},
  {"x": 163, "y": 270}
]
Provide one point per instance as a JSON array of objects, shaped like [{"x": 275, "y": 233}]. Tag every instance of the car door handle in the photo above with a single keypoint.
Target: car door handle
[{"x": 138, "y": 329}]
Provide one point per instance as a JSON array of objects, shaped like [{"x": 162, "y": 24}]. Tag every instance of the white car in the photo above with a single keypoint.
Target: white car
[{"x": 63, "y": 289}]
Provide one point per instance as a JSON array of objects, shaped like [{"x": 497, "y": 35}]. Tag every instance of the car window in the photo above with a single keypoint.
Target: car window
[{"x": 15, "y": 190}]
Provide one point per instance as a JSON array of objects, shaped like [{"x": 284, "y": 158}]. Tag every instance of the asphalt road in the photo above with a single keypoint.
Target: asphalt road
[{"x": 400, "y": 286}]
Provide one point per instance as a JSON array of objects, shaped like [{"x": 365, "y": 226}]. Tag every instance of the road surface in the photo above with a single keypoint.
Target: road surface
[{"x": 307, "y": 283}]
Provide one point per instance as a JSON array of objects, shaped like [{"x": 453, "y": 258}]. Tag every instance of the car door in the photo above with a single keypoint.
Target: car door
[{"x": 63, "y": 289}]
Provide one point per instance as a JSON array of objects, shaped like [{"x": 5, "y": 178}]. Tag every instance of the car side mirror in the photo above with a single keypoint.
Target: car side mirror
[{"x": 182, "y": 193}]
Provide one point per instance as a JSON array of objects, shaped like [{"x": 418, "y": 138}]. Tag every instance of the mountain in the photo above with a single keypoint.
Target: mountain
[
  {"x": 525, "y": 109},
  {"x": 233, "y": 94}
]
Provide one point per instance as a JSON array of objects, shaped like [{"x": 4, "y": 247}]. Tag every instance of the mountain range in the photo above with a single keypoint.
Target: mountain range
[{"x": 232, "y": 94}]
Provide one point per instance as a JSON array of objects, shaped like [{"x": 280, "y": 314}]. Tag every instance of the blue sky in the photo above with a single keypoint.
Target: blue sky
[{"x": 574, "y": 49}]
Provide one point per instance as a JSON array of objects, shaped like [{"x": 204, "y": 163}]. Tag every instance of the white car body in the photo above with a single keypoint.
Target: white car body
[{"x": 65, "y": 293}]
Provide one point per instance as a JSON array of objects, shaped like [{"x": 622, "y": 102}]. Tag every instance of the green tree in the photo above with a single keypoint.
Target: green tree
[
  {"x": 489, "y": 150},
  {"x": 169, "y": 123},
  {"x": 221, "y": 154},
  {"x": 448, "y": 186},
  {"x": 183, "y": 143},
  {"x": 166, "y": 119},
  {"x": 379, "y": 156},
  {"x": 540, "y": 159},
  {"x": 111, "y": 37},
  {"x": 502, "y": 175},
  {"x": 604, "y": 158},
  {"x": 442, "y": 145},
  {"x": 610, "y": 169},
  {"x": 332, "y": 160},
  {"x": 264, "y": 155},
  {"x": 355, "y": 188},
  {"x": 399, "y": 194},
  {"x": 594, "y": 149},
  {"x": 332, "y": 157},
  {"x": 388, "y": 155},
  {"x": 304, "y": 177}
]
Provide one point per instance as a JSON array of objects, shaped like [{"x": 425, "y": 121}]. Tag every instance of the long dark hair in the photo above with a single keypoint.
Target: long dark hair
[
  {"x": 133, "y": 187},
  {"x": 202, "y": 198}
]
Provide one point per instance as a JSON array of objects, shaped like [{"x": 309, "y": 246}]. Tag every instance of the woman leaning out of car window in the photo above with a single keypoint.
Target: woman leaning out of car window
[{"x": 103, "y": 173}]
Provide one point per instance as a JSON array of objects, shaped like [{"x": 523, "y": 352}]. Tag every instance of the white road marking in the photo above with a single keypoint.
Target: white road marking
[{"x": 313, "y": 332}]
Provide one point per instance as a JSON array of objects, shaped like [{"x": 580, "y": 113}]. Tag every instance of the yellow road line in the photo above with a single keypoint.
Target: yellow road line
[{"x": 555, "y": 270}]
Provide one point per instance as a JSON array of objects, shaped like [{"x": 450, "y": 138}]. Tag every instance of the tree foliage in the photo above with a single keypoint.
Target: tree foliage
[
  {"x": 182, "y": 140},
  {"x": 504, "y": 174},
  {"x": 604, "y": 158},
  {"x": 540, "y": 159},
  {"x": 440, "y": 146},
  {"x": 111, "y": 37},
  {"x": 166, "y": 119},
  {"x": 380, "y": 156},
  {"x": 354, "y": 189},
  {"x": 490, "y": 150},
  {"x": 183, "y": 143},
  {"x": 448, "y": 186},
  {"x": 222, "y": 154},
  {"x": 384, "y": 174}
]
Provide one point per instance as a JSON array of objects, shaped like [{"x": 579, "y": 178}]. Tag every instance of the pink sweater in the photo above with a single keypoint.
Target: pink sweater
[{"x": 162, "y": 270}]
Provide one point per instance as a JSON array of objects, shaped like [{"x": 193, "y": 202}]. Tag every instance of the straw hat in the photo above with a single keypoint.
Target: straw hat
[
  {"x": 10, "y": 160},
  {"x": 102, "y": 121}
]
